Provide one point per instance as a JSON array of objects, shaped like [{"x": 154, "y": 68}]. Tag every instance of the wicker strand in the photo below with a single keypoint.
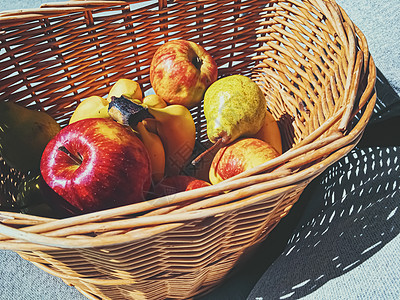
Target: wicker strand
[{"x": 309, "y": 59}]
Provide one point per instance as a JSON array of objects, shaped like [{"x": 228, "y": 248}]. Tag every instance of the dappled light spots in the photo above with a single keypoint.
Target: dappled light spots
[
  {"x": 353, "y": 214},
  {"x": 287, "y": 296}
]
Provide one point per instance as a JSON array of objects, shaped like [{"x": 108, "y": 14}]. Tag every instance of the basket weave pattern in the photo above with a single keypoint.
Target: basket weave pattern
[{"x": 313, "y": 66}]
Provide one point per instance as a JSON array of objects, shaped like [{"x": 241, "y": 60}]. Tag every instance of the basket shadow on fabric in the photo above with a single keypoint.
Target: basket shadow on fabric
[
  {"x": 343, "y": 217},
  {"x": 358, "y": 215},
  {"x": 386, "y": 117}
]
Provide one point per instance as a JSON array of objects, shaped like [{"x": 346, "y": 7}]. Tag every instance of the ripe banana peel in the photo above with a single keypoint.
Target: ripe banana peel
[
  {"x": 177, "y": 130},
  {"x": 126, "y": 87},
  {"x": 92, "y": 107},
  {"x": 154, "y": 100},
  {"x": 155, "y": 147},
  {"x": 174, "y": 125},
  {"x": 270, "y": 133},
  {"x": 97, "y": 107}
]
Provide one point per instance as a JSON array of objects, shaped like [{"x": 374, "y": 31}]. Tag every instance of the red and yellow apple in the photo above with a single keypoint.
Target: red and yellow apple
[
  {"x": 178, "y": 183},
  {"x": 181, "y": 71},
  {"x": 95, "y": 164},
  {"x": 238, "y": 156}
]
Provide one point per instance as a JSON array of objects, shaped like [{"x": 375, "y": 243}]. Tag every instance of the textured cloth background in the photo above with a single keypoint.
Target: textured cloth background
[{"x": 340, "y": 241}]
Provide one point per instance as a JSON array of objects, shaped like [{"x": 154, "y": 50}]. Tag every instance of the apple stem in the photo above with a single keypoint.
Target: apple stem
[
  {"x": 78, "y": 160},
  {"x": 217, "y": 144}
]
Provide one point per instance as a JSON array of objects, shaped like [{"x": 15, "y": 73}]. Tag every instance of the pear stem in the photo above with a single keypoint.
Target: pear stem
[
  {"x": 77, "y": 159},
  {"x": 204, "y": 153}
]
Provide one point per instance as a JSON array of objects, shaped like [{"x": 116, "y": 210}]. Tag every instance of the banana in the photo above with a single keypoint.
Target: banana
[
  {"x": 270, "y": 133},
  {"x": 125, "y": 87},
  {"x": 154, "y": 100},
  {"x": 177, "y": 130},
  {"x": 92, "y": 107},
  {"x": 155, "y": 147},
  {"x": 174, "y": 125},
  {"x": 151, "y": 125},
  {"x": 96, "y": 106}
]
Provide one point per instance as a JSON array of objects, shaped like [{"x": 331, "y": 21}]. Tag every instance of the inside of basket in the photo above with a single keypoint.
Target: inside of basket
[{"x": 304, "y": 57}]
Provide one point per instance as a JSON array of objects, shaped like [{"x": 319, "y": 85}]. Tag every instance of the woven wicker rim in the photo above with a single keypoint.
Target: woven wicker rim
[{"x": 268, "y": 180}]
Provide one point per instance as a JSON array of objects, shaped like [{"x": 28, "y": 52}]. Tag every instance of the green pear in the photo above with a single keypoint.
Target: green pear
[
  {"x": 24, "y": 133},
  {"x": 234, "y": 106}
]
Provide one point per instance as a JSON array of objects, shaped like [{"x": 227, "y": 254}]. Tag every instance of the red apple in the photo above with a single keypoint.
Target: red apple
[
  {"x": 238, "y": 156},
  {"x": 96, "y": 164},
  {"x": 181, "y": 71},
  {"x": 178, "y": 183}
]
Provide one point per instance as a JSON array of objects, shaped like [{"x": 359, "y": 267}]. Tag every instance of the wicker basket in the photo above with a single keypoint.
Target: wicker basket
[{"x": 318, "y": 77}]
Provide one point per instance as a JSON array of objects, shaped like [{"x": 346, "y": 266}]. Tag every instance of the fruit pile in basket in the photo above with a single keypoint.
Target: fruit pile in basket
[{"x": 127, "y": 148}]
